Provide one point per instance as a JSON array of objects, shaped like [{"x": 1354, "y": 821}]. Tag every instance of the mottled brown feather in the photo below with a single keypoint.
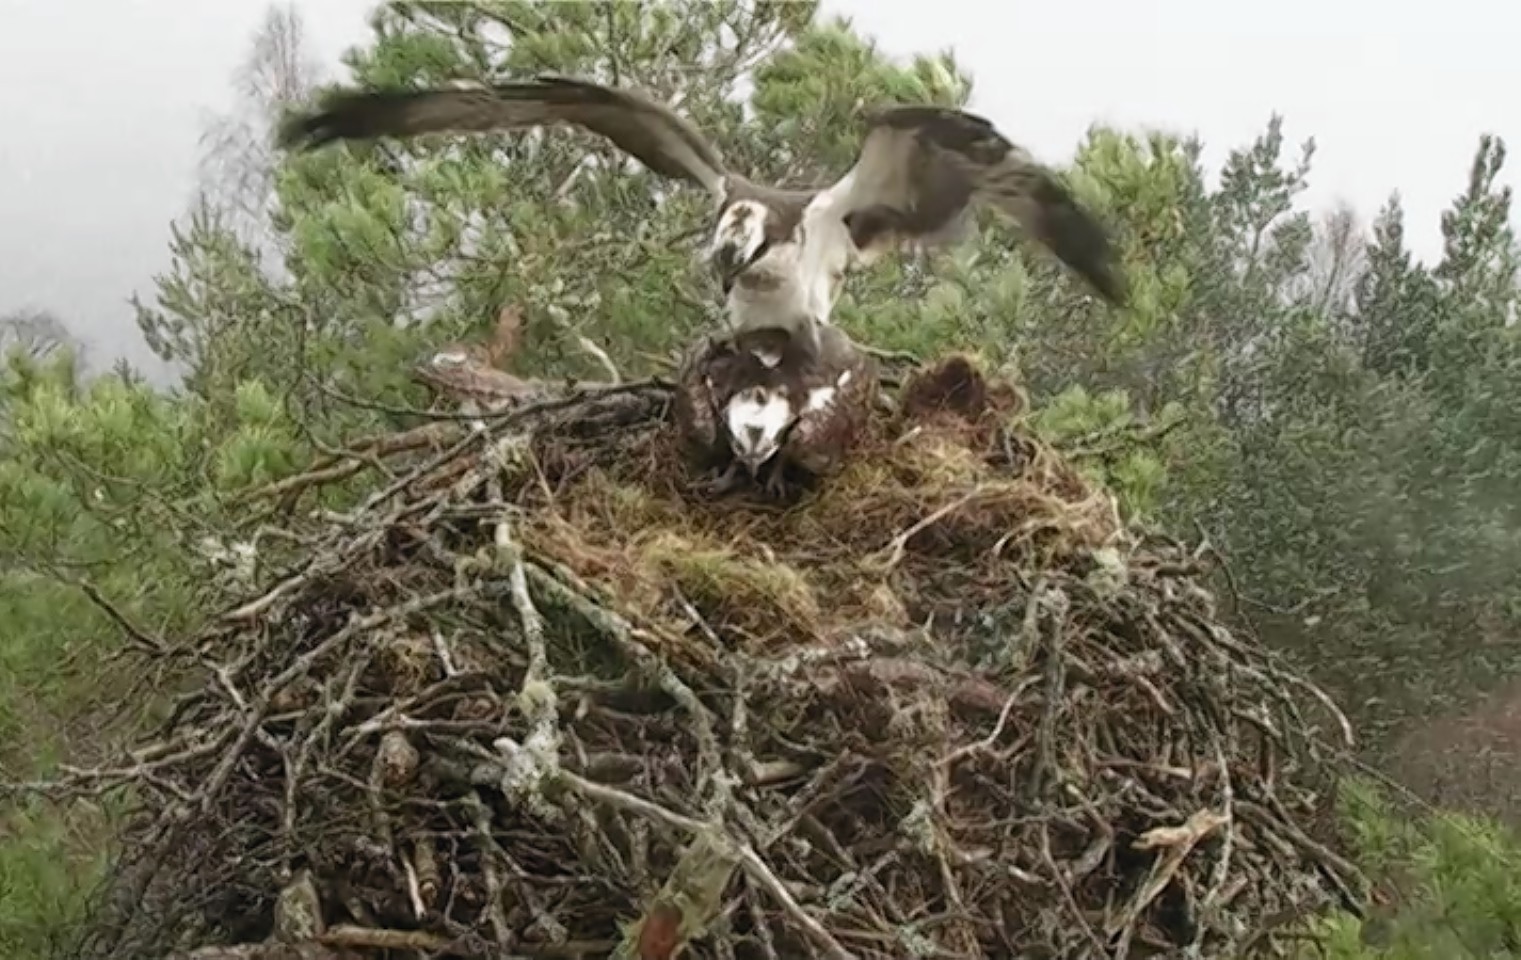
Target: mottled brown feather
[
  {"x": 820, "y": 440},
  {"x": 717, "y": 367},
  {"x": 921, "y": 168},
  {"x": 695, "y": 408},
  {"x": 639, "y": 125},
  {"x": 916, "y": 180}
]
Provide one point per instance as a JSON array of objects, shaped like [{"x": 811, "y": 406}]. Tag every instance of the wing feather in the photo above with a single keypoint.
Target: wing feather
[
  {"x": 821, "y": 438},
  {"x": 695, "y": 406},
  {"x": 639, "y": 125},
  {"x": 921, "y": 169}
]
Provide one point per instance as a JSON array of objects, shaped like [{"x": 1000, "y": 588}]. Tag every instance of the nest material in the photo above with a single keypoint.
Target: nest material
[{"x": 535, "y": 699}]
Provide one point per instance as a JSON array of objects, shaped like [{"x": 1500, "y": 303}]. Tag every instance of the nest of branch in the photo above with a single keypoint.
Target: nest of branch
[{"x": 536, "y": 699}]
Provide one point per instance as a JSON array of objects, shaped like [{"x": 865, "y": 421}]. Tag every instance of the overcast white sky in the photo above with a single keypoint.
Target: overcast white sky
[{"x": 102, "y": 102}]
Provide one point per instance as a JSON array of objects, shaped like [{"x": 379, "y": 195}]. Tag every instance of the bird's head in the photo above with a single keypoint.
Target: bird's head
[
  {"x": 742, "y": 237},
  {"x": 757, "y": 418}
]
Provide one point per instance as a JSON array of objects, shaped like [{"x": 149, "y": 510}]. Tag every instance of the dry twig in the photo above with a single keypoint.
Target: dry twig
[{"x": 532, "y": 698}]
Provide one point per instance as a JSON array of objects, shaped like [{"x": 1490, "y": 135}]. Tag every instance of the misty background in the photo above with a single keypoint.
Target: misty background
[
  {"x": 1327, "y": 435},
  {"x": 106, "y": 104}
]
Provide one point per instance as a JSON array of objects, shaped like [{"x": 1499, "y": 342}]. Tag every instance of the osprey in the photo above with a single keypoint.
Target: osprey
[
  {"x": 765, "y": 402},
  {"x": 780, "y": 254}
]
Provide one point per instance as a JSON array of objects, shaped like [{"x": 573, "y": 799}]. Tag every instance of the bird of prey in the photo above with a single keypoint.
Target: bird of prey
[
  {"x": 767, "y": 404},
  {"x": 780, "y": 254}
]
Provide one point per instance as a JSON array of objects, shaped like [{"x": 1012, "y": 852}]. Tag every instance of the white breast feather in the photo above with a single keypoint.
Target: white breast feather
[
  {"x": 819, "y": 398},
  {"x": 827, "y": 248},
  {"x": 770, "y": 412},
  {"x": 781, "y": 305}
]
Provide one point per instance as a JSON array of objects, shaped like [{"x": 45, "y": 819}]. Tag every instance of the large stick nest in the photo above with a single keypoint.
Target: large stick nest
[{"x": 535, "y": 699}]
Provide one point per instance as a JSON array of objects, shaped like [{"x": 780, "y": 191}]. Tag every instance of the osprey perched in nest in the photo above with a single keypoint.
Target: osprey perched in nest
[
  {"x": 765, "y": 402},
  {"x": 781, "y": 254}
]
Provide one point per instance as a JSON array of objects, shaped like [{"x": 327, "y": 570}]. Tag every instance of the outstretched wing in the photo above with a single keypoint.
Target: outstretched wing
[
  {"x": 647, "y": 130},
  {"x": 920, "y": 169}
]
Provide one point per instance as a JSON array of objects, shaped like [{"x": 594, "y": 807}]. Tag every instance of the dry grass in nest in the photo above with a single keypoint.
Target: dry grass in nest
[
  {"x": 558, "y": 706},
  {"x": 871, "y": 544}
]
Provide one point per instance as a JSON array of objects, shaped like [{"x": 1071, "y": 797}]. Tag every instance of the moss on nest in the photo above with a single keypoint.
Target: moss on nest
[
  {"x": 937, "y": 505},
  {"x": 558, "y": 704}
]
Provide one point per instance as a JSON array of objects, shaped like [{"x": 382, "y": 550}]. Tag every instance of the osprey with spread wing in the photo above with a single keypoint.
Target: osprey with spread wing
[{"x": 781, "y": 254}]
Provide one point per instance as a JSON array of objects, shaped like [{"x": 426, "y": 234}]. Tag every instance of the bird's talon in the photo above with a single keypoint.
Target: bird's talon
[
  {"x": 776, "y": 486},
  {"x": 725, "y": 483}
]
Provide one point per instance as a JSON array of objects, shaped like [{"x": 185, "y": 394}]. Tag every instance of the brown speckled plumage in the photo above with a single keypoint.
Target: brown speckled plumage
[{"x": 717, "y": 368}]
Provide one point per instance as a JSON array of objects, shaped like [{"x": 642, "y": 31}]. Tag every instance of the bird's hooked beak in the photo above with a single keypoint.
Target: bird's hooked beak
[
  {"x": 729, "y": 261},
  {"x": 757, "y": 420},
  {"x": 726, "y": 278},
  {"x": 757, "y": 448},
  {"x": 739, "y": 240}
]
